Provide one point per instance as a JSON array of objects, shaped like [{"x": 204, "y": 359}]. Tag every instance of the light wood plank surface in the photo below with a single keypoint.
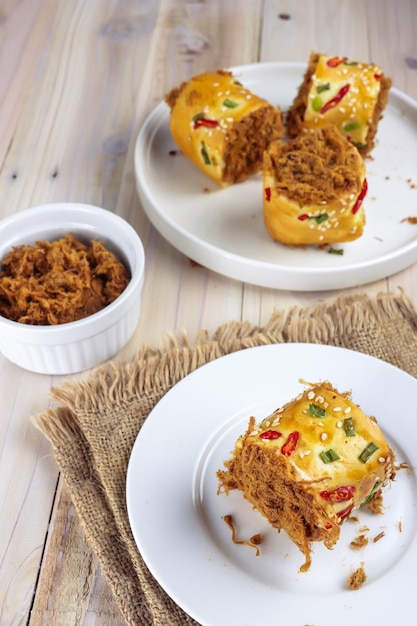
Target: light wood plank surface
[{"x": 77, "y": 80}]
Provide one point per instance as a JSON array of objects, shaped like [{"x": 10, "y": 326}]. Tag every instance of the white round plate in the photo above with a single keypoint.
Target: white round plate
[
  {"x": 176, "y": 514},
  {"x": 223, "y": 229}
]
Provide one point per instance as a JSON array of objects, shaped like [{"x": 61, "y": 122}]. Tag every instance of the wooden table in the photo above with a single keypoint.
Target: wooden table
[{"x": 77, "y": 80}]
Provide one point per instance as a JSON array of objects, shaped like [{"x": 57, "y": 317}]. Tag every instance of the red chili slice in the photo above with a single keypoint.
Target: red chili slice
[
  {"x": 268, "y": 194},
  {"x": 270, "y": 434},
  {"x": 335, "y": 61},
  {"x": 341, "y": 516},
  {"x": 335, "y": 101},
  {"x": 360, "y": 197},
  {"x": 291, "y": 443},
  {"x": 203, "y": 121},
  {"x": 341, "y": 494},
  {"x": 303, "y": 217},
  {"x": 378, "y": 77}
]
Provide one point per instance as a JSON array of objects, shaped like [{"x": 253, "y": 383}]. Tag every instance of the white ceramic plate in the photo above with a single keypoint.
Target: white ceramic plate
[
  {"x": 176, "y": 513},
  {"x": 223, "y": 229}
]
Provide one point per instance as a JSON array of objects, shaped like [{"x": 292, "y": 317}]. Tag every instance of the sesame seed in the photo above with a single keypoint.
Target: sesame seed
[
  {"x": 276, "y": 421},
  {"x": 268, "y": 423},
  {"x": 301, "y": 455},
  {"x": 307, "y": 452},
  {"x": 320, "y": 399},
  {"x": 310, "y": 395},
  {"x": 336, "y": 409},
  {"x": 323, "y": 436},
  {"x": 253, "y": 433},
  {"x": 347, "y": 410},
  {"x": 339, "y": 424},
  {"x": 381, "y": 459}
]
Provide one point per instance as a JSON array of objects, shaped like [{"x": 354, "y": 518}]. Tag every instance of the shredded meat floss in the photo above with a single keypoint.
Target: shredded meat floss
[{"x": 60, "y": 281}]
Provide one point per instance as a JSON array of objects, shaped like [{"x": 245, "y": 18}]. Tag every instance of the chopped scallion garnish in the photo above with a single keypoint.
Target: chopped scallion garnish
[
  {"x": 323, "y": 87},
  {"x": 319, "y": 218},
  {"x": 328, "y": 456},
  {"x": 351, "y": 126},
  {"x": 367, "y": 452},
  {"x": 204, "y": 154},
  {"x": 317, "y": 103},
  {"x": 316, "y": 411},
  {"x": 349, "y": 427},
  {"x": 230, "y": 104}
]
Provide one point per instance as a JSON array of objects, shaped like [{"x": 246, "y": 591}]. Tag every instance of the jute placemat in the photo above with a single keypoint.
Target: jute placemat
[{"x": 96, "y": 421}]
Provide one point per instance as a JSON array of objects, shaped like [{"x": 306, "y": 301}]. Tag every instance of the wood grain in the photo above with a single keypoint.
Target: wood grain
[{"x": 77, "y": 80}]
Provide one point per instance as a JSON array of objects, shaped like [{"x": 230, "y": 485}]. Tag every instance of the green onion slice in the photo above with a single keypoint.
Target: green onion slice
[
  {"x": 317, "y": 103},
  {"x": 367, "y": 452},
  {"x": 204, "y": 154},
  {"x": 328, "y": 456},
  {"x": 316, "y": 411},
  {"x": 323, "y": 87},
  {"x": 349, "y": 427},
  {"x": 319, "y": 218},
  {"x": 198, "y": 116},
  {"x": 230, "y": 104},
  {"x": 351, "y": 126},
  {"x": 338, "y": 251}
]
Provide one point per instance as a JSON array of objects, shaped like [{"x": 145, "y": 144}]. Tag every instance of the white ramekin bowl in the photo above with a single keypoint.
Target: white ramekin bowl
[{"x": 75, "y": 346}]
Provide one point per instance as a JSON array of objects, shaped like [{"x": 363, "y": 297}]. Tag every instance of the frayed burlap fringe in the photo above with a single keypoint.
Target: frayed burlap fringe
[{"x": 95, "y": 423}]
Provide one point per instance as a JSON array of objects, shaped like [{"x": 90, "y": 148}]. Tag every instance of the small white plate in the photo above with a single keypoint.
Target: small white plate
[
  {"x": 176, "y": 514},
  {"x": 223, "y": 229}
]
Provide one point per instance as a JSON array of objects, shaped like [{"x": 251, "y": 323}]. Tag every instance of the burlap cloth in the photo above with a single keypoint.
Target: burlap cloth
[{"x": 95, "y": 423}]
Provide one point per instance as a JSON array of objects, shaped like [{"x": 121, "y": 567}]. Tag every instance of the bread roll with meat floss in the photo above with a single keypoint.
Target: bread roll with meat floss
[
  {"x": 309, "y": 465},
  {"x": 339, "y": 91},
  {"x": 313, "y": 189},
  {"x": 222, "y": 127}
]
